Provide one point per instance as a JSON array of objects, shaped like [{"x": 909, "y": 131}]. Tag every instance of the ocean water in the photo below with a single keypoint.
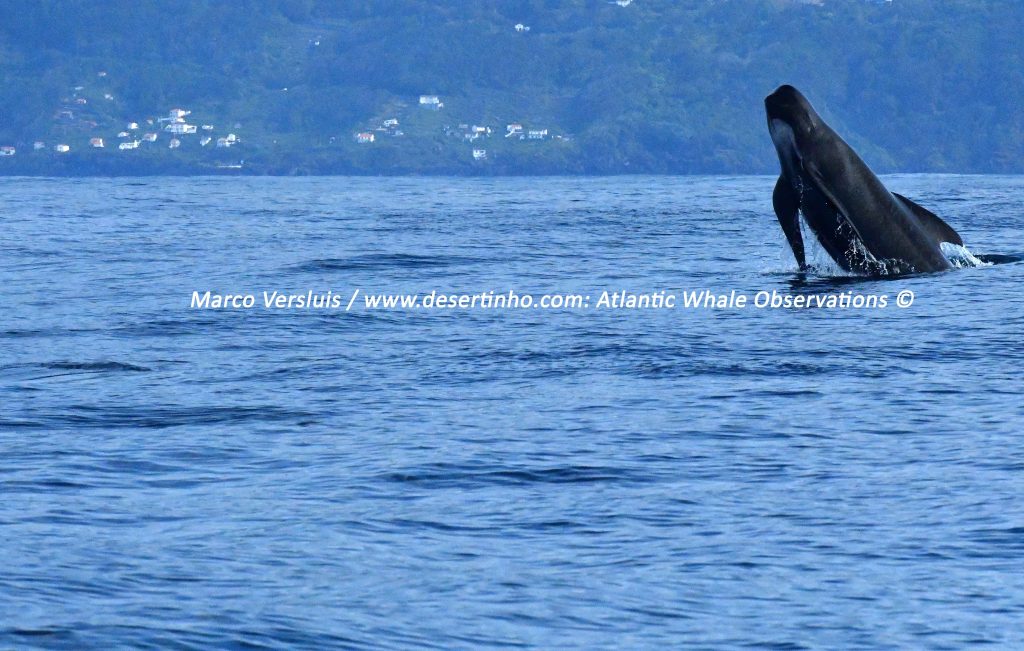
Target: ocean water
[{"x": 589, "y": 477}]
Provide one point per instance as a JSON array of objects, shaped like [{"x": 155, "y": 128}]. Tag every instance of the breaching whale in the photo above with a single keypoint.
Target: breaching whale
[{"x": 863, "y": 226}]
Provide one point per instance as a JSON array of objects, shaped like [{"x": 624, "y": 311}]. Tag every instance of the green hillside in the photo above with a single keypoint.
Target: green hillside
[{"x": 660, "y": 86}]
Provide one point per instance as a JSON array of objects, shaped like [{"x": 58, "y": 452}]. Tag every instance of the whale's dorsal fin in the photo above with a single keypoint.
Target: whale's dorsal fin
[
  {"x": 931, "y": 222},
  {"x": 787, "y": 209}
]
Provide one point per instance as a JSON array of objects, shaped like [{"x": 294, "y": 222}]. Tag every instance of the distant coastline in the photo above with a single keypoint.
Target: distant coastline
[{"x": 476, "y": 89}]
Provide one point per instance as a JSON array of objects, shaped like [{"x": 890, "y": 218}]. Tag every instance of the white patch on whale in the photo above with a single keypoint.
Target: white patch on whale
[{"x": 785, "y": 142}]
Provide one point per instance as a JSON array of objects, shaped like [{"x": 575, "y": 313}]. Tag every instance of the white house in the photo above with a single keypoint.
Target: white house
[
  {"x": 38, "y": 144},
  {"x": 61, "y": 148},
  {"x": 7, "y": 151},
  {"x": 174, "y": 144},
  {"x": 96, "y": 143},
  {"x": 513, "y": 129},
  {"x": 365, "y": 137},
  {"x": 180, "y": 128},
  {"x": 133, "y": 126},
  {"x": 131, "y": 144},
  {"x": 432, "y": 102},
  {"x": 479, "y": 154},
  {"x": 108, "y": 96},
  {"x": 537, "y": 134},
  {"x": 391, "y": 123},
  {"x": 176, "y": 113},
  {"x": 207, "y": 127},
  {"x": 149, "y": 137},
  {"x": 522, "y": 28},
  {"x": 123, "y": 134}
]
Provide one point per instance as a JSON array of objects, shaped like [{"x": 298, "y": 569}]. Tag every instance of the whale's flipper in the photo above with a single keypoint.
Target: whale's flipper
[
  {"x": 931, "y": 222},
  {"x": 787, "y": 209}
]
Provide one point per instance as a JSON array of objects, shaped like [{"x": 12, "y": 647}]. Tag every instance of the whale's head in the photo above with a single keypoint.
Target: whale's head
[
  {"x": 789, "y": 106},
  {"x": 792, "y": 122}
]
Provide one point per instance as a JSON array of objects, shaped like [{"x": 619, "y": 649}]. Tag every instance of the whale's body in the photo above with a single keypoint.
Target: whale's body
[{"x": 858, "y": 222}]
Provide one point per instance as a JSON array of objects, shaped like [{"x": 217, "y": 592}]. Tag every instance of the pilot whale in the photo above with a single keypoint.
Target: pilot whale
[{"x": 862, "y": 225}]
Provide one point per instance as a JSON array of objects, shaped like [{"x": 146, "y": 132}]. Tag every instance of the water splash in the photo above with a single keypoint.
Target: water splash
[
  {"x": 818, "y": 258},
  {"x": 960, "y": 257}
]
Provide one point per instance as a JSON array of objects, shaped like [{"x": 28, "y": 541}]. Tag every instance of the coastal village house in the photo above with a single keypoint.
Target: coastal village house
[
  {"x": 174, "y": 124},
  {"x": 7, "y": 151},
  {"x": 432, "y": 102},
  {"x": 180, "y": 128},
  {"x": 390, "y": 127}
]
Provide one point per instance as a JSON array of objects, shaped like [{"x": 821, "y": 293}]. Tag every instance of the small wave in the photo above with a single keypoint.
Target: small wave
[
  {"x": 274, "y": 212},
  {"x": 44, "y": 370},
  {"x": 195, "y": 325},
  {"x": 384, "y": 261},
  {"x": 160, "y": 417},
  {"x": 766, "y": 369},
  {"x": 999, "y": 258},
  {"x": 94, "y": 366},
  {"x": 450, "y": 475},
  {"x": 35, "y": 633},
  {"x": 45, "y": 332}
]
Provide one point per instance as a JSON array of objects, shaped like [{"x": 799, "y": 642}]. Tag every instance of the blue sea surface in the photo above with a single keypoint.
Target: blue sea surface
[{"x": 498, "y": 478}]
